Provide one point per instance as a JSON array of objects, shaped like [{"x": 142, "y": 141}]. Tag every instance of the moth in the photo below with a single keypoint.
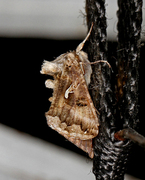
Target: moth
[{"x": 72, "y": 113}]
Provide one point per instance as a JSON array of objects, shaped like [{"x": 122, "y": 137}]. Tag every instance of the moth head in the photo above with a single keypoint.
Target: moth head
[
  {"x": 50, "y": 68},
  {"x": 69, "y": 58}
]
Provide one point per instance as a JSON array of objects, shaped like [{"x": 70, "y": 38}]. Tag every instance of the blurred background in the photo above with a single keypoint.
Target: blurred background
[{"x": 31, "y": 31}]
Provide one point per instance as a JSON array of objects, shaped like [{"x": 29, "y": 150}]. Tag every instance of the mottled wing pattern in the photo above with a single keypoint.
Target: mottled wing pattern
[
  {"x": 75, "y": 116},
  {"x": 72, "y": 113},
  {"x": 85, "y": 145}
]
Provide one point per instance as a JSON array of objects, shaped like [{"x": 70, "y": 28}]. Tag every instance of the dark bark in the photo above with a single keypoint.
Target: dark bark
[
  {"x": 111, "y": 156},
  {"x": 129, "y": 29}
]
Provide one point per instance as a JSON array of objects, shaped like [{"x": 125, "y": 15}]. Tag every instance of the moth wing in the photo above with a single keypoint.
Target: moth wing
[
  {"x": 74, "y": 116},
  {"x": 85, "y": 145}
]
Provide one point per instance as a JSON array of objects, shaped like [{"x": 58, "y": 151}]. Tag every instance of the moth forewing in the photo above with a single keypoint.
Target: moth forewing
[
  {"x": 85, "y": 145},
  {"x": 72, "y": 104},
  {"x": 72, "y": 113}
]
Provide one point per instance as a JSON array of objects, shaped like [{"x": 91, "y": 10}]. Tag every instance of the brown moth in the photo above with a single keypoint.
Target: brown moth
[{"x": 72, "y": 113}]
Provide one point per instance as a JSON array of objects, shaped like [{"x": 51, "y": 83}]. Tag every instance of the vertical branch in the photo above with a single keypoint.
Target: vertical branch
[
  {"x": 111, "y": 156},
  {"x": 108, "y": 162},
  {"x": 97, "y": 48},
  {"x": 129, "y": 29}
]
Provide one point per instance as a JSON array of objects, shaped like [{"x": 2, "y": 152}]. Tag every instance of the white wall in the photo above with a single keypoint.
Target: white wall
[
  {"x": 57, "y": 19},
  {"x": 24, "y": 157}
]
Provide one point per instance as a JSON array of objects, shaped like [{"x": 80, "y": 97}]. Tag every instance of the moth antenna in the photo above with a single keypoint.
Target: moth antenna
[{"x": 80, "y": 46}]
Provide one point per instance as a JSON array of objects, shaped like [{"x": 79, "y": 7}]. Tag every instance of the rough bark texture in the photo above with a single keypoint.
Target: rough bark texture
[
  {"x": 129, "y": 29},
  {"x": 111, "y": 156}
]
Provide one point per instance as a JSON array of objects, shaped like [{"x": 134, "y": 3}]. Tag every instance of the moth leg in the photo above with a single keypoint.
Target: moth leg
[
  {"x": 104, "y": 61},
  {"x": 49, "y": 83}
]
